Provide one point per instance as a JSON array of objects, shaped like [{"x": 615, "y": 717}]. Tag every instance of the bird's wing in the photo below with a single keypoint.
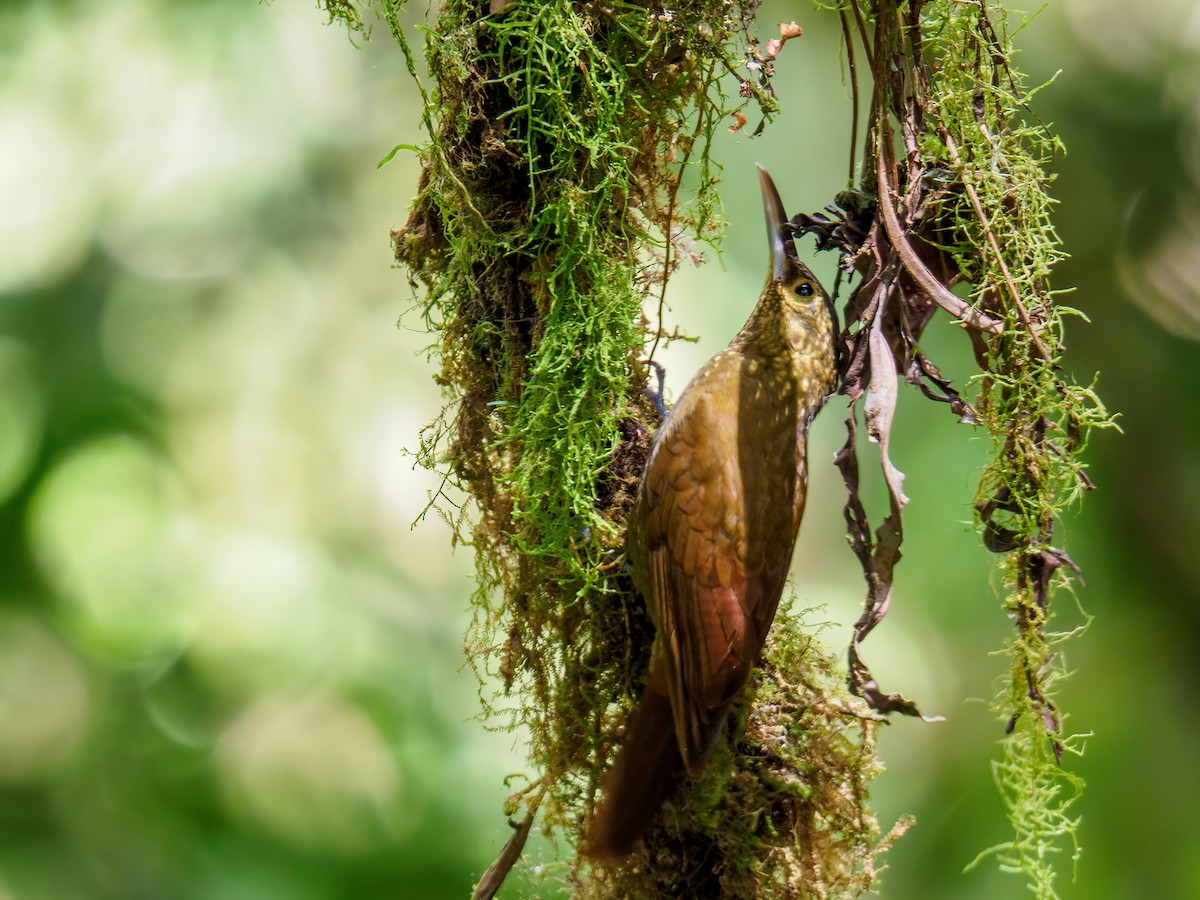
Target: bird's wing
[{"x": 702, "y": 598}]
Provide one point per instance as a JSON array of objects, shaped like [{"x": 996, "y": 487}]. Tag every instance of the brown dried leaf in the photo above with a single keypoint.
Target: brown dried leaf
[
  {"x": 880, "y": 409},
  {"x": 774, "y": 45},
  {"x": 926, "y": 376},
  {"x": 878, "y": 556},
  {"x": 913, "y": 264},
  {"x": 790, "y": 30}
]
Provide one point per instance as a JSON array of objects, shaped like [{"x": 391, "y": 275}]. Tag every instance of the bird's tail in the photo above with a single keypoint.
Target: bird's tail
[{"x": 646, "y": 770}]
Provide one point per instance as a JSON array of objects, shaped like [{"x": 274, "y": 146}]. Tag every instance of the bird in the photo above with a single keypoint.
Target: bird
[{"x": 711, "y": 534}]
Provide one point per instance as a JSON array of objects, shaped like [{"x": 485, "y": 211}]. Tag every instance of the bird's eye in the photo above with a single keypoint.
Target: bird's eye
[{"x": 804, "y": 289}]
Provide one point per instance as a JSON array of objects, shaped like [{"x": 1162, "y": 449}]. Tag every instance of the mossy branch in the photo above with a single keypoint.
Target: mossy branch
[{"x": 550, "y": 210}]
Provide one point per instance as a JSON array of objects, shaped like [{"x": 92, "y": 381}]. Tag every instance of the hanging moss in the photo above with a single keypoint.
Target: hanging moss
[
  {"x": 1038, "y": 419},
  {"x": 960, "y": 169}
]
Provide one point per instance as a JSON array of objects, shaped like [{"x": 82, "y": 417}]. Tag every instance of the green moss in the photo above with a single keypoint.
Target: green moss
[
  {"x": 782, "y": 811},
  {"x": 1000, "y": 155}
]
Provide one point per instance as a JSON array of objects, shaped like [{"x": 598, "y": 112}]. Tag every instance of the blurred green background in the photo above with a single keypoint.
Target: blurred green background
[{"x": 229, "y": 666}]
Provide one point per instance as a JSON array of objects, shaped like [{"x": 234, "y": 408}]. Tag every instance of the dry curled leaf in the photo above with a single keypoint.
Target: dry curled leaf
[
  {"x": 880, "y": 409},
  {"x": 790, "y": 30},
  {"x": 786, "y": 33},
  {"x": 774, "y": 45}
]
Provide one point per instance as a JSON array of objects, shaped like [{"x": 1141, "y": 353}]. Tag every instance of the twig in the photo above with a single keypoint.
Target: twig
[
  {"x": 854, "y": 110},
  {"x": 862, "y": 33},
  {"x": 494, "y": 877},
  {"x": 666, "y": 276},
  {"x": 952, "y": 147},
  {"x": 925, "y": 279}
]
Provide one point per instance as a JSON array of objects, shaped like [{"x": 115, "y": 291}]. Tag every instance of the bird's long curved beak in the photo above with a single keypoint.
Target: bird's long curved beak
[{"x": 777, "y": 238}]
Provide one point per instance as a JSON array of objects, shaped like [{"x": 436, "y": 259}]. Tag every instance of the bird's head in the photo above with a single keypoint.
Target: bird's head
[{"x": 795, "y": 283}]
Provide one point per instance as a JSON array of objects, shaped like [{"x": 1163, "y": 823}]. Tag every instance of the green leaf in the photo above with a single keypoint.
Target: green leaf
[{"x": 413, "y": 148}]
